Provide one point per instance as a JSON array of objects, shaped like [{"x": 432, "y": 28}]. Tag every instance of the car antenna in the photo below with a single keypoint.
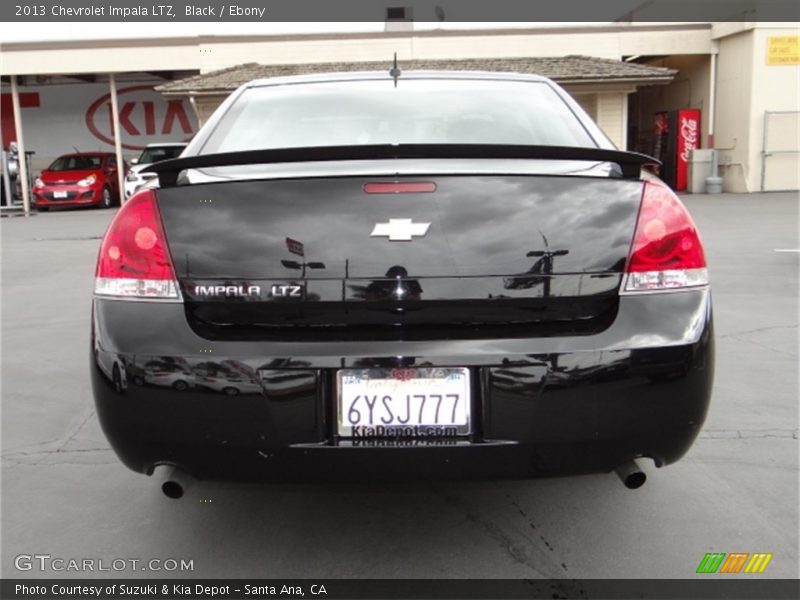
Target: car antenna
[
  {"x": 395, "y": 70},
  {"x": 76, "y": 150}
]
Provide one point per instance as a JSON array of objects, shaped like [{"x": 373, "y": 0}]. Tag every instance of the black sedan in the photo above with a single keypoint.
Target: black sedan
[{"x": 402, "y": 275}]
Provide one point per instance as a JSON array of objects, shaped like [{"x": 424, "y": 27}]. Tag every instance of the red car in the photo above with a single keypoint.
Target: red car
[{"x": 83, "y": 179}]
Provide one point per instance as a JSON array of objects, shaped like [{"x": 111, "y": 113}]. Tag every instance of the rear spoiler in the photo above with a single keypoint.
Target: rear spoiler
[{"x": 630, "y": 163}]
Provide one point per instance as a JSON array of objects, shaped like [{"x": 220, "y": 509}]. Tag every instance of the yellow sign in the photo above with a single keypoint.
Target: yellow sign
[{"x": 783, "y": 50}]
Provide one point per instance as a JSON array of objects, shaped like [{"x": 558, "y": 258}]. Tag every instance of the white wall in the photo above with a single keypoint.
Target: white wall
[
  {"x": 733, "y": 105},
  {"x": 747, "y": 87},
  {"x": 775, "y": 88},
  {"x": 612, "y": 117}
]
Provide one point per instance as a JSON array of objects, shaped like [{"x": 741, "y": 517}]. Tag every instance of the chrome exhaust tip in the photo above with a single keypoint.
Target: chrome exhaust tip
[
  {"x": 175, "y": 482},
  {"x": 631, "y": 475}
]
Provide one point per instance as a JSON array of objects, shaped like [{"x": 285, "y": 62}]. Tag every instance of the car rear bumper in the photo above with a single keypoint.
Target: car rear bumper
[{"x": 541, "y": 406}]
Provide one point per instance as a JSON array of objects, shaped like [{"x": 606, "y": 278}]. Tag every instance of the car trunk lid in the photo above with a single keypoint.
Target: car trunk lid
[{"x": 425, "y": 256}]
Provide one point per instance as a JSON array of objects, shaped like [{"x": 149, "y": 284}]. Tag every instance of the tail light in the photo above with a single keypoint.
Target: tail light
[
  {"x": 134, "y": 261},
  {"x": 666, "y": 253}
]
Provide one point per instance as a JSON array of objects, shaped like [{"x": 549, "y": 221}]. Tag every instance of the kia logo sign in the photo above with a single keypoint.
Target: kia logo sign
[{"x": 142, "y": 115}]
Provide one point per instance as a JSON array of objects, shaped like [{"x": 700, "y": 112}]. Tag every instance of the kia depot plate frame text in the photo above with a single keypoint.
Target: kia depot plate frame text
[{"x": 404, "y": 402}]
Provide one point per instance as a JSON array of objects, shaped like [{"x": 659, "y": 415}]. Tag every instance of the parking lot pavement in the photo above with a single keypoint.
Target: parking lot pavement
[{"x": 65, "y": 494}]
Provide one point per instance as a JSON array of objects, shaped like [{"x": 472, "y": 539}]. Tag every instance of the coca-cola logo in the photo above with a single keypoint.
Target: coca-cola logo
[
  {"x": 689, "y": 133},
  {"x": 142, "y": 114}
]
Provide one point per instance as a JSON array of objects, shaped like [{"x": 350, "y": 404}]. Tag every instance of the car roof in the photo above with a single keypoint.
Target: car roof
[
  {"x": 87, "y": 154},
  {"x": 385, "y": 75},
  {"x": 163, "y": 144}
]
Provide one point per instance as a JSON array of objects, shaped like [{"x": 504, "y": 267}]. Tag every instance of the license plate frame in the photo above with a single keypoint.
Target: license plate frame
[
  {"x": 395, "y": 382},
  {"x": 60, "y": 194}
]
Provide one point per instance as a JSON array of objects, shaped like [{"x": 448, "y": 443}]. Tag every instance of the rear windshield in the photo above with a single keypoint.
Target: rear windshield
[
  {"x": 153, "y": 155},
  {"x": 417, "y": 111},
  {"x": 76, "y": 163}
]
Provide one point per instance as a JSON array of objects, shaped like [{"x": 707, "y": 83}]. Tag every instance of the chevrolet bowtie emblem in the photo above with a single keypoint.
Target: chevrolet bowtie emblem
[{"x": 400, "y": 230}]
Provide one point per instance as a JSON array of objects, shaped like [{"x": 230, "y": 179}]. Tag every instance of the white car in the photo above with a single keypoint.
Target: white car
[{"x": 153, "y": 153}]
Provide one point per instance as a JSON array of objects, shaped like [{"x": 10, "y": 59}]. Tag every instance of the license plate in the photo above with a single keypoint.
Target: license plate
[
  {"x": 59, "y": 194},
  {"x": 403, "y": 403}
]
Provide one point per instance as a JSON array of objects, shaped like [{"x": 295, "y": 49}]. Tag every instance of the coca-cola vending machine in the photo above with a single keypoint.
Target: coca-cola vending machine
[{"x": 677, "y": 133}]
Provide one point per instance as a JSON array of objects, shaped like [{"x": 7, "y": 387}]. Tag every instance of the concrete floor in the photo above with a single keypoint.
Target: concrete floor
[{"x": 65, "y": 494}]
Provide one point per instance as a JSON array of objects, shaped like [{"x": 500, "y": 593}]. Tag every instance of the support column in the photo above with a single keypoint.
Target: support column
[
  {"x": 117, "y": 140},
  {"x": 23, "y": 159},
  {"x": 712, "y": 93}
]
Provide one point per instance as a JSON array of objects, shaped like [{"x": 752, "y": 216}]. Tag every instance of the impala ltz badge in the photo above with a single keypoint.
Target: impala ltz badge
[
  {"x": 400, "y": 230},
  {"x": 286, "y": 291},
  {"x": 236, "y": 291}
]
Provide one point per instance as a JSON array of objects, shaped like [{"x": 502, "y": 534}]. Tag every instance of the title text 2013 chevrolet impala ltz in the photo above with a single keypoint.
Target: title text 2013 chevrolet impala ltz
[{"x": 391, "y": 276}]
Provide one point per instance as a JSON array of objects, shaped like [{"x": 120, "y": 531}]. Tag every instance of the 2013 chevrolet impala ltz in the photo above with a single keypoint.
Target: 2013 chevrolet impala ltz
[{"x": 395, "y": 275}]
